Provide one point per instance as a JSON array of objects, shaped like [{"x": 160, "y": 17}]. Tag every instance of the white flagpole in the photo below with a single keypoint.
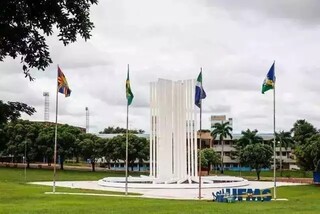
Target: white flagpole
[
  {"x": 25, "y": 161},
  {"x": 200, "y": 137},
  {"x": 274, "y": 143},
  {"x": 127, "y": 142},
  {"x": 55, "y": 141}
]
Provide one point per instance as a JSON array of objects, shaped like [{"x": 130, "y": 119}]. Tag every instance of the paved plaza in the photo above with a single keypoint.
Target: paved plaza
[{"x": 162, "y": 193}]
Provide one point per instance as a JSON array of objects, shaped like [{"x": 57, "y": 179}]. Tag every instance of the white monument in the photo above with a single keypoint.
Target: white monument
[
  {"x": 173, "y": 135},
  {"x": 173, "y": 143}
]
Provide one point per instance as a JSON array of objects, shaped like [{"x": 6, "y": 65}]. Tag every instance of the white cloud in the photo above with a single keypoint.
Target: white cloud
[{"x": 234, "y": 43}]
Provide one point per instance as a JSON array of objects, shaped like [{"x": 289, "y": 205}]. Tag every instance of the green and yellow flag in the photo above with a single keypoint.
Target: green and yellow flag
[
  {"x": 129, "y": 93},
  {"x": 269, "y": 81}
]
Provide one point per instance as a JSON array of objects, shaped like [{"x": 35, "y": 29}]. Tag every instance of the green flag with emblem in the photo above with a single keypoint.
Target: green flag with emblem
[{"x": 129, "y": 93}]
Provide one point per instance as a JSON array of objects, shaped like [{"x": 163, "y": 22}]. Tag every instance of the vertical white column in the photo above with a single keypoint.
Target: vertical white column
[
  {"x": 194, "y": 130},
  {"x": 184, "y": 127},
  {"x": 152, "y": 132},
  {"x": 187, "y": 127},
  {"x": 156, "y": 131},
  {"x": 189, "y": 120}
]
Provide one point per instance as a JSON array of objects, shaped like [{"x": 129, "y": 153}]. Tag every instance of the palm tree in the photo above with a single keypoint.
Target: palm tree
[
  {"x": 221, "y": 130},
  {"x": 249, "y": 137},
  {"x": 285, "y": 140}
]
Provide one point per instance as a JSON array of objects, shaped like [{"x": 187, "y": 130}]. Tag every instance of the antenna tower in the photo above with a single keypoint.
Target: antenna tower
[
  {"x": 87, "y": 120},
  {"x": 46, "y": 106}
]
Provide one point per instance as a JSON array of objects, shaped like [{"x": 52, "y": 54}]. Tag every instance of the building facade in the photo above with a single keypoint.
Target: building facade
[{"x": 288, "y": 159}]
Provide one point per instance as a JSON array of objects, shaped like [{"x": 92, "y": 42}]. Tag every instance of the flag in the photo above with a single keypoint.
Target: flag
[
  {"x": 199, "y": 93},
  {"x": 63, "y": 84},
  {"x": 269, "y": 81},
  {"x": 129, "y": 93}
]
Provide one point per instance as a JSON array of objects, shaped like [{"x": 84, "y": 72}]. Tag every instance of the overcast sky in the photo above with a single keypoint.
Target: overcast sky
[{"x": 234, "y": 41}]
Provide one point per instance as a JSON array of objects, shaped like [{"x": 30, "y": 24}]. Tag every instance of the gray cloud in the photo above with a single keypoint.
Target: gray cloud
[
  {"x": 217, "y": 109},
  {"x": 304, "y": 12},
  {"x": 234, "y": 41}
]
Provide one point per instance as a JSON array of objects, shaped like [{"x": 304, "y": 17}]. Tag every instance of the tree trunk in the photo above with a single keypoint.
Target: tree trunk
[
  {"x": 93, "y": 166},
  {"x": 49, "y": 161},
  {"x": 222, "y": 154},
  {"x": 209, "y": 168},
  {"x": 280, "y": 160},
  {"x": 28, "y": 164},
  {"x": 132, "y": 165},
  {"x": 77, "y": 159},
  {"x": 258, "y": 174},
  {"x": 61, "y": 163}
]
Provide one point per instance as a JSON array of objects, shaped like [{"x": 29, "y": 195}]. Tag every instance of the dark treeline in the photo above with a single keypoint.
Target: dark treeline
[
  {"x": 35, "y": 141},
  {"x": 118, "y": 130}
]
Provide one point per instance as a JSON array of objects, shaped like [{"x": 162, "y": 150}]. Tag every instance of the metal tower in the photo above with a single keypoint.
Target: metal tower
[
  {"x": 87, "y": 120},
  {"x": 46, "y": 106}
]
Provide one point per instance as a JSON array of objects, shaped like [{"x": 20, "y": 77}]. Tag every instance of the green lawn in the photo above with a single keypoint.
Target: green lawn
[
  {"x": 269, "y": 174},
  {"x": 18, "y": 197}
]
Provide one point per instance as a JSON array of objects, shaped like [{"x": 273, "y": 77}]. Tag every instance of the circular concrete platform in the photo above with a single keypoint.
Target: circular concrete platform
[{"x": 146, "y": 182}]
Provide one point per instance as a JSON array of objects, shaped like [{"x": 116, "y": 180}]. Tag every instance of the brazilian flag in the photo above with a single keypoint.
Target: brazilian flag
[
  {"x": 269, "y": 81},
  {"x": 129, "y": 93}
]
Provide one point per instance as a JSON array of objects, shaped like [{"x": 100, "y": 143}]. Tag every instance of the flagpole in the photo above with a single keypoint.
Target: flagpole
[
  {"x": 25, "y": 161},
  {"x": 127, "y": 142},
  {"x": 274, "y": 144},
  {"x": 55, "y": 142},
  {"x": 200, "y": 138}
]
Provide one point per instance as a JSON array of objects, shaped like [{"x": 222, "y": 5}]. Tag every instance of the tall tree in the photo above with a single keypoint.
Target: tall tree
[
  {"x": 91, "y": 148},
  {"x": 138, "y": 149},
  {"x": 21, "y": 137},
  {"x": 248, "y": 137},
  {"x": 308, "y": 154},
  {"x": 45, "y": 142},
  {"x": 25, "y": 24},
  {"x": 257, "y": 156},
  {"x": 222, "y": 131},
  {"x": 302, "y": 130},
  {"x": 208, "y": 158},
  {"x": 285, "y": 140}
]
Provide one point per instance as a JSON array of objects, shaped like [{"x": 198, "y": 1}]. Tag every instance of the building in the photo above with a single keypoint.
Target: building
[
  {"x": 288, "y": 161},
  {"x": 220, "y": 119}
]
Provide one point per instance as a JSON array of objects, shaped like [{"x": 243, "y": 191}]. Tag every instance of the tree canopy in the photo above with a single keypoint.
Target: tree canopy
[
  {"x": 257, "y": 156},
  {"x": 35, "y": 141},
  {"x": 302, "y": 130},
  {"x": 119, "y": 130},
  {"x": 209, "y": 157},
  {"x": 308, "y": 154},
  {"x": 12, "y": 111},
  {"x": 25, "y": 24},
  {"x": 248, "y": 138}
]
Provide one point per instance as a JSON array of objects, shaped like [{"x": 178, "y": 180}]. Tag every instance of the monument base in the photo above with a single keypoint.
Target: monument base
[{"x": 146, "y": 182}]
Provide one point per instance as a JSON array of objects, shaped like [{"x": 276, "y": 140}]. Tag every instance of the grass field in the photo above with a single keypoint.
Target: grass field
[
  {"x": 267, "y": 175},
  {"x": 18, "y": 197}
]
